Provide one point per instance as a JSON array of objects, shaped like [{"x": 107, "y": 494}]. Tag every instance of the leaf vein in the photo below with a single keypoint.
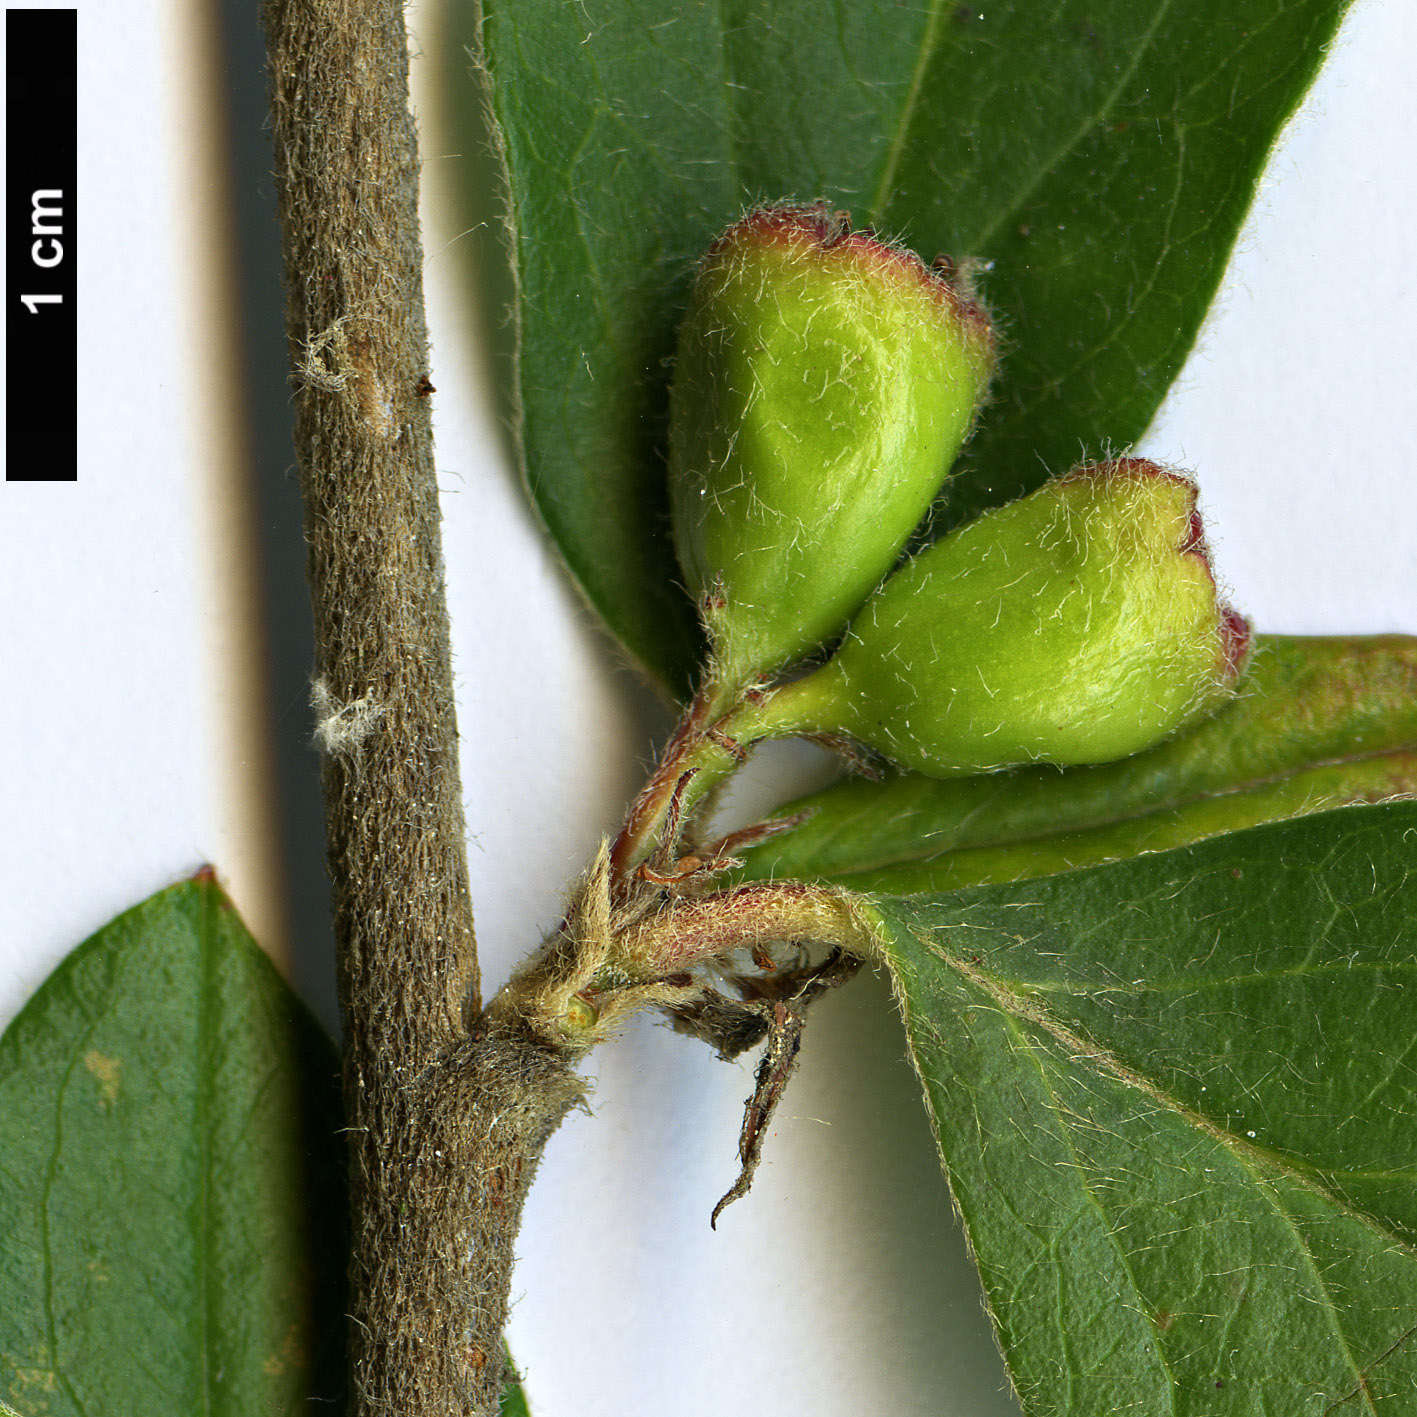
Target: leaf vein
[
  {"x": 1329, "y": 1306},
  {"x": 1095, "y": 1201},
  {"x": 929, "y": 44},
  {"x": 1087, "y": 1052},
  {"x": 1008, "y": 211}
]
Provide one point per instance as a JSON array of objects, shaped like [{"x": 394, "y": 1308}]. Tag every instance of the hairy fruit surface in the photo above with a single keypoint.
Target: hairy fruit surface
[
  {"x": 1080, "y": 624},
  {"x": 824, "y": 384}
]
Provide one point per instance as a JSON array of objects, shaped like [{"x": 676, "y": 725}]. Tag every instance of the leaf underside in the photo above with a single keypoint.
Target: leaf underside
[
  {"x": 1176, "y": 1099},
  {"x": 171, "y": 1196},
  {"x": 1100, "y": 154}
]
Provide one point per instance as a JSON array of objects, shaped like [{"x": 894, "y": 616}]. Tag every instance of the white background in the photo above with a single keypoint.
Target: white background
[{"x": 153, "y": 638}]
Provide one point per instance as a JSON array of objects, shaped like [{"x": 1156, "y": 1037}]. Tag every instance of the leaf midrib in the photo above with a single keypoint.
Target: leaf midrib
[
  {"x": 1330, "y": 1307},
  {"x": 1064, "y": 1133},
  {"x": 929, "y": 44},
  {"x": 1084, "y": 1052}
]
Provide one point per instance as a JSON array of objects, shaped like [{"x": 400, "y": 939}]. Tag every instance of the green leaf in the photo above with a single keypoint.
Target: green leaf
[
  {"x": 171, "y": 1196},
  {"x": 1321, "y": 722},
  {"x": 1176, "y": 1100},
  {"x": 1100, "y": 153},
  {"x": 514, "y": 1403}
]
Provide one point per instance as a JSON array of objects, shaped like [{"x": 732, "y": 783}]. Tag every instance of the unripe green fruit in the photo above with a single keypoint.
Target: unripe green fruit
[
  {"x": 824, "y": 384},
  {"x": 1077, "y": 625}
]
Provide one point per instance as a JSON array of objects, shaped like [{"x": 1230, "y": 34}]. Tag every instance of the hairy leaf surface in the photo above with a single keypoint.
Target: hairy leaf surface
[
  {"x": 1321, "y": 722},
  {"x": 171, "y": 1197},
  {"x": 1176, "y": 1100},
  {"x": 1098, "y": 154},
  {"x": 514, "y": 1403}
]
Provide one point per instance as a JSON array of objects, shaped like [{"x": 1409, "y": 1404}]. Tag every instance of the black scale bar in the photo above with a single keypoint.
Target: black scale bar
[{"x": 41, "y": 161}]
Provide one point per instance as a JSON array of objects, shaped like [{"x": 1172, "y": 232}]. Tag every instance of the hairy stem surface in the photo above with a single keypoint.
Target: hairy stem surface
[{"x": 447, "y": 1110}]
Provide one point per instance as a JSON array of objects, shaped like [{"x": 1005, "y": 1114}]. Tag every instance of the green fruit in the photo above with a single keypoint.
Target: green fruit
[
  {"x": 824, "y": 384},
  {"x": 1077, "y": 625}
]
